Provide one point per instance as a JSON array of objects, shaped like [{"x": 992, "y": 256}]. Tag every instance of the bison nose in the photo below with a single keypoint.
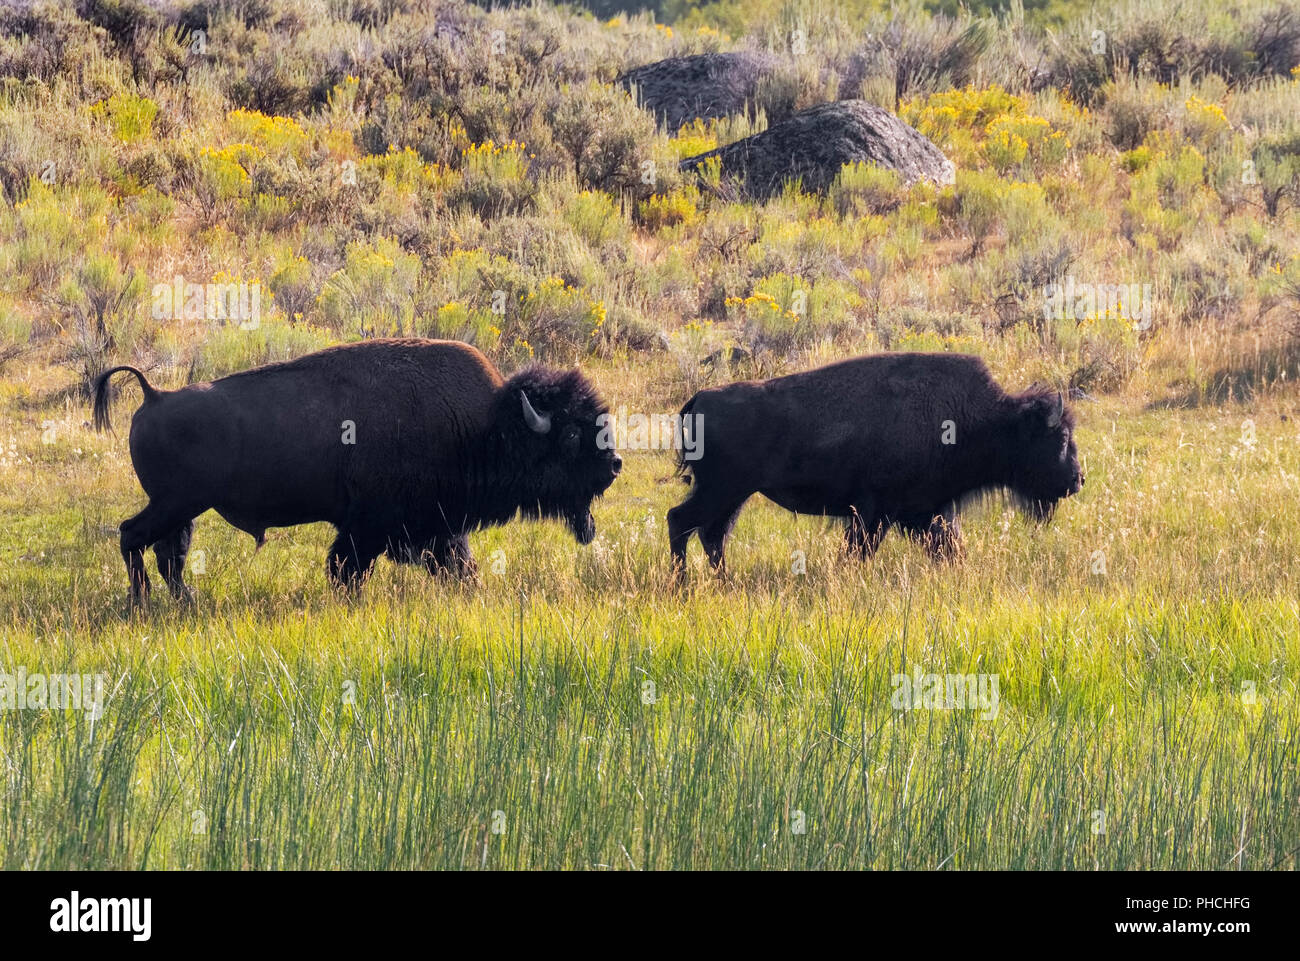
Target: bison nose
[{"x": 616, "y": 464}]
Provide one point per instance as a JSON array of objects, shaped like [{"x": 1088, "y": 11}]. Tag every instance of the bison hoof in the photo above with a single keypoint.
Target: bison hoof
[{"x": 185, "y": 595}]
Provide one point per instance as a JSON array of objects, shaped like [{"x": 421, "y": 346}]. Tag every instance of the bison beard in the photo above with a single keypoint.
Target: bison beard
[
  {"x": 891, "y": 440},
  {"x": 405, "y": 446}
]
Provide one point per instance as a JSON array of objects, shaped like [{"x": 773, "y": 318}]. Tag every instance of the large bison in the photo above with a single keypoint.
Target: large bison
[
  {"x": 404, "y": 446},
  {"x": 885, "y": 440}
]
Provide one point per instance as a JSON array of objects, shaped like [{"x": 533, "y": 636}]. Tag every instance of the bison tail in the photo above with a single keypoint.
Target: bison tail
[
  {"x": 679, "y": 449},
  {"x": 101, "y": 394}
]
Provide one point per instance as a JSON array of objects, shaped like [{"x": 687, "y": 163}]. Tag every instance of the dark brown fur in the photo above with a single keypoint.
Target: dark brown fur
[
  {"x": 863, "y": 439},
  {"x": 441, "y": 448}
]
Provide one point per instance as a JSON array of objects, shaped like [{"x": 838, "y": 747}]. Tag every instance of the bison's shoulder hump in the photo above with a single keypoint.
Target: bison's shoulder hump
[{"x": 448, "y": 360}]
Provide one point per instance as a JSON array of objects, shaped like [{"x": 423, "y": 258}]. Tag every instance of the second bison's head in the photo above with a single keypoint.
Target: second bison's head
[
  {"x": 548, "y": 419},
  {"x": 1046, "y": 463}
]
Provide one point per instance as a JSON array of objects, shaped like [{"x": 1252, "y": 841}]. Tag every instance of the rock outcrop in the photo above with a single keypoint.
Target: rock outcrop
[
  {"x": 707, "y": 85},
  {"x": 815, "y": 143}
]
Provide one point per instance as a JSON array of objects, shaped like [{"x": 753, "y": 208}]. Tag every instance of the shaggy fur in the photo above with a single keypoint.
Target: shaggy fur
[
  {"x": 864, "y": 440},
  {"x": 405, "y": 446}
]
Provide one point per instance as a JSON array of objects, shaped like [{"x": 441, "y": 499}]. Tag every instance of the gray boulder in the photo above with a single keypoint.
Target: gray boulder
[
  {"x": 815, "y": 143},
  {"x": 707, "y": 85}
]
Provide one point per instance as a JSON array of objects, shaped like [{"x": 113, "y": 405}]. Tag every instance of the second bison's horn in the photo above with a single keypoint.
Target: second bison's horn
[
  {"x": 538, "y": 422},
  {"x": 1055, "y": 418}
]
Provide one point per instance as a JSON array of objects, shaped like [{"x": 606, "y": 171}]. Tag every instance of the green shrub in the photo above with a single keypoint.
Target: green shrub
[
  {"x": 866, "y": 188},
  {"x": 1166, "y": 198},
  {"x": 129, "y": 117},
  {"x": 292, "y": 286},
  {"x": 982, "y": 204},
  {"x": 595, "y": 218},
  {"x": 374, "y": 293},
  {"x": 610, "y": 143},
  {"x": 229, "y": 348},
  {"x": 455, "y": 321},
  {"x": 101, "y": 303},
  {"x": 495, "y": 180},
  {"x": 1277, "y": 169},
  {"x": 786, "y": 311}
]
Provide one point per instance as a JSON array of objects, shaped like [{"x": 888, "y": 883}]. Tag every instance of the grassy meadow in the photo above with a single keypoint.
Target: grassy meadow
[{"x": 571, "y": 708}]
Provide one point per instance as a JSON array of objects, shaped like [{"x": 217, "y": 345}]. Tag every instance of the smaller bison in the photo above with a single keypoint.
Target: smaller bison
[
  {"x": 405, "y": 446},
  {"x": 885, "y": 440}
]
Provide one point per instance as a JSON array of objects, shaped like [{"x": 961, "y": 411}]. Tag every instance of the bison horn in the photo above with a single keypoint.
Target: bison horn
[
  {"x": 541, "y": 423},
  {"x": 1054, "y": 418}
]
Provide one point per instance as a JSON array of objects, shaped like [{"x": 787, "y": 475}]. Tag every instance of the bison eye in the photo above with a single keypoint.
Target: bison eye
[{"x": 570, "y": 440}]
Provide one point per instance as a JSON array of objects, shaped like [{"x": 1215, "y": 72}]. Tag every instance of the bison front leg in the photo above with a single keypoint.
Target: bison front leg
[
  {"x": 450, "y": 555},
  {"x": 351, "y": 558},
  {"x": 863, "y": 534},
  {"x": 943, "y": 540},
  {"x": 940, "y": 535}
]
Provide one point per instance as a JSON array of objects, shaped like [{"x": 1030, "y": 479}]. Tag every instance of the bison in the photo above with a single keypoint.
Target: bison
[
  {"x": 405, "y": 446},
  {"x": 888, "y": 440}
]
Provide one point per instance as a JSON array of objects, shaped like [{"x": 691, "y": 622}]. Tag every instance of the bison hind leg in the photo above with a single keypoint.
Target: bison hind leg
[
  {"x": 352, "y": 556},
  {"x": 944, "y": 541},
  {"x": 153, "y": 524},
  {"x": 713, "y": 535},
  {"x": 712, "y": 515},
  {"x": 170, "y": 553}
]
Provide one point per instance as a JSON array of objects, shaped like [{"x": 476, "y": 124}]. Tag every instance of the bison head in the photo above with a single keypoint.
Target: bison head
[
  {"x": 1046, "y": 464},
  {"x": 549, "y": 421}
]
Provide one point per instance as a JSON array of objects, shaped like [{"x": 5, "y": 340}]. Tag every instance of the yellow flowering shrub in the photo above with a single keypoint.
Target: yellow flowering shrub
[
  {"x": 405, "y": 171},
  {"x": 276, "y": 136},
  {"x": 494, "y": 179},
  {"x": 694, "y": 138},
  {"x": 559, "y": 316},
  {"x": 669, "y": 210},
  {"x": 989, "y": 127},
  {"x": 1204, "y": 123},
  {"x": 1011, "y": 140},
  {"x": 458, "y": 321}
]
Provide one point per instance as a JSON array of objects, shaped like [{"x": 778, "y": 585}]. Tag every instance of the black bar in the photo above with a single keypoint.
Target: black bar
[{"x": 336, "y": 910}]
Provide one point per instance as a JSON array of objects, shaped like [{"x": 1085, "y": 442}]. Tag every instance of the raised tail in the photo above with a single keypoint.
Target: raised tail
[{"x": 101, "y": 394}]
